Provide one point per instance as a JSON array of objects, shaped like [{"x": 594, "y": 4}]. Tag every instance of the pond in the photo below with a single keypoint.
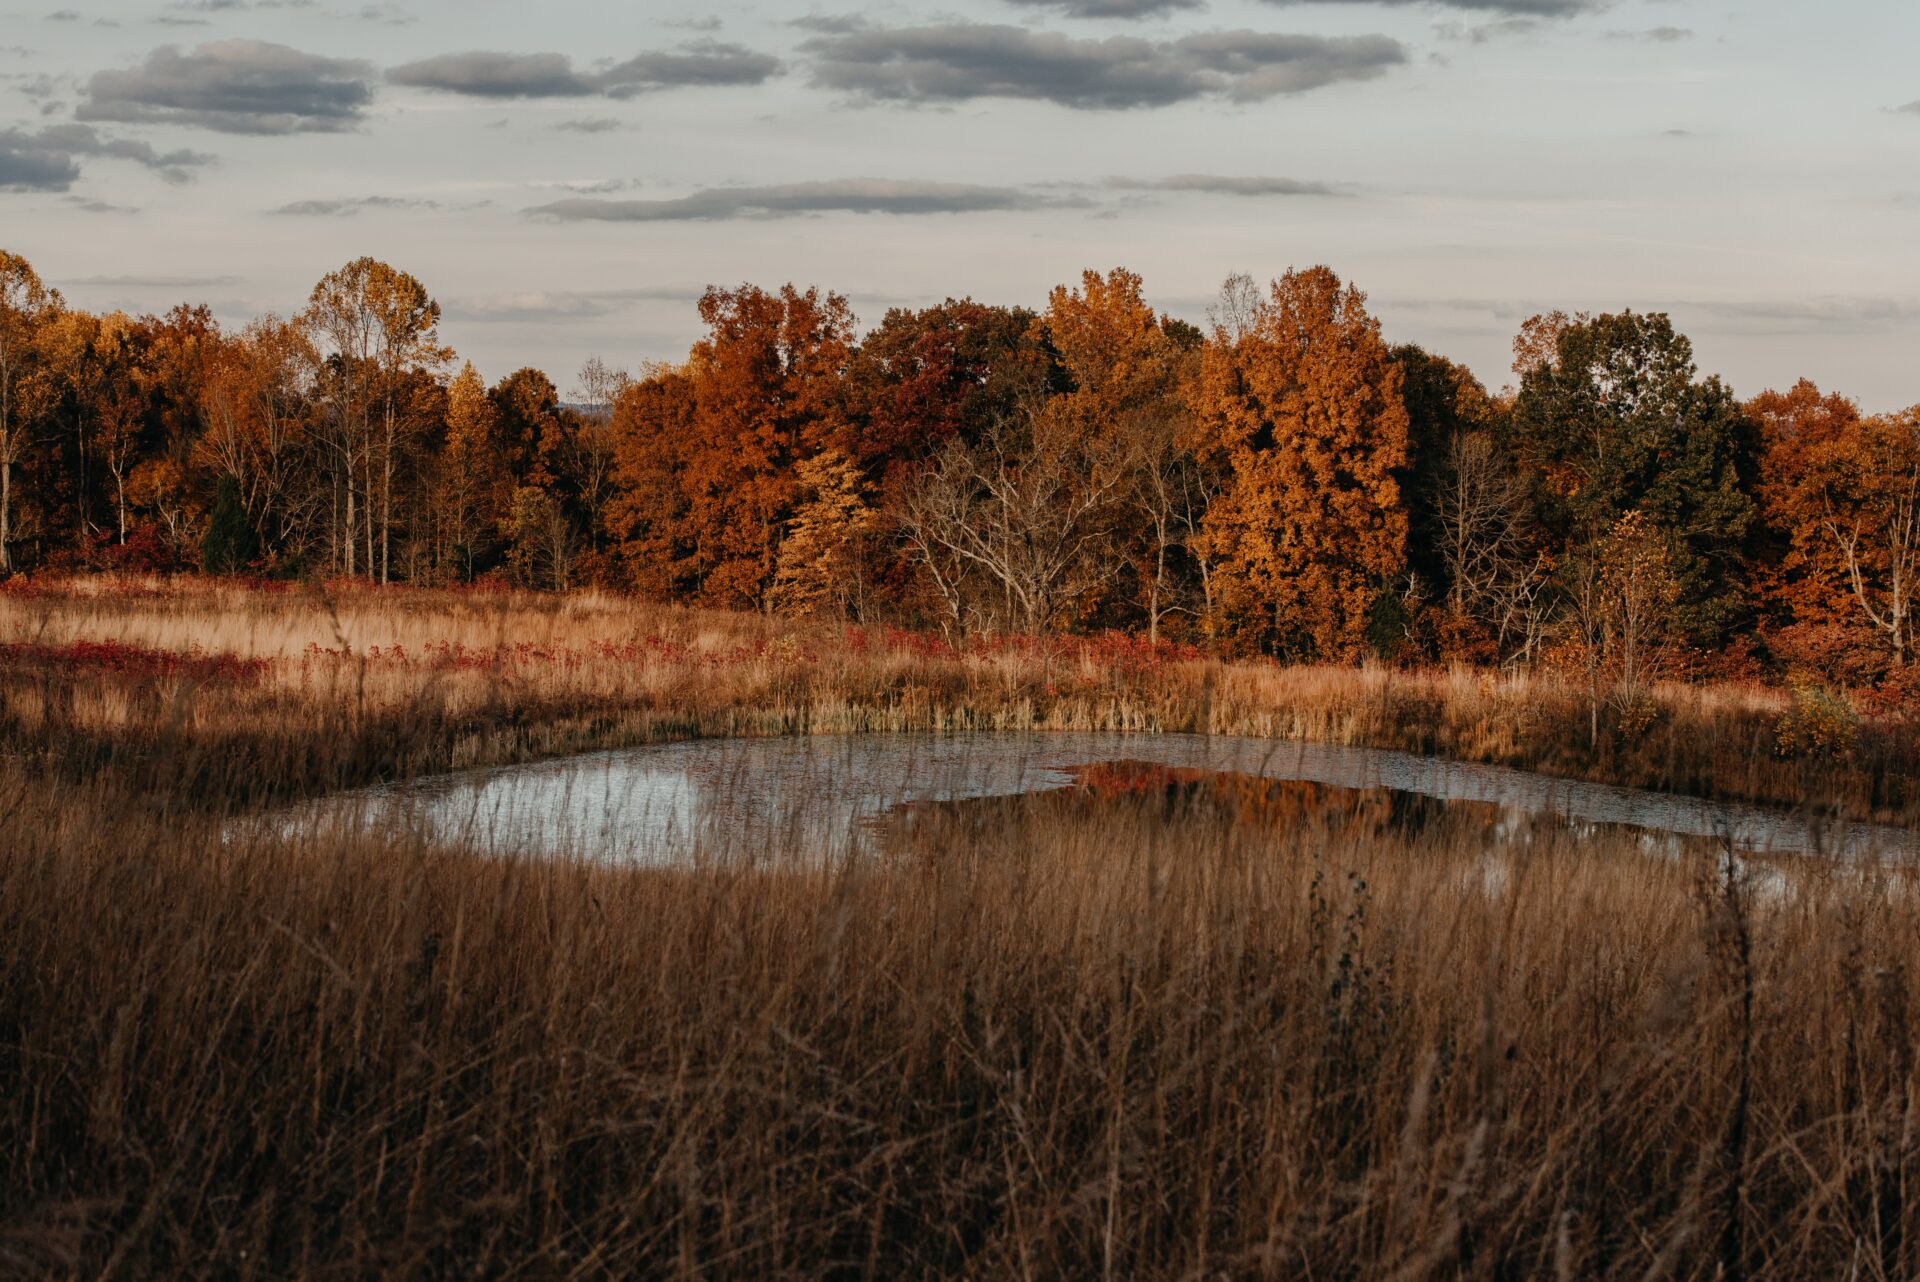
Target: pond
[{"x": 720, "y": 799}]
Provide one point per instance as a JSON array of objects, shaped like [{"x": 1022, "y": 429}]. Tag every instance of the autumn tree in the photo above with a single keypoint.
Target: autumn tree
[
  {"x": 1802, "y": 593},
  {"x": 1124, "y": 365},
  {"x": 820, "y": 556},
  {"x": 1624, "y": 598},
  {"x": 1305, "y": 409},
  {"x": 1611, "y": 418},
  {"x": 471, "y": 473},
  {"x": 767, "y": 392},
  {"x": 1848, "y": 492},
  {"x": 254, "y": 402},
  {"x": 653, "y": 440},
  {"x": 373, "y": 325},
  {"x": 25, "y": 306}
]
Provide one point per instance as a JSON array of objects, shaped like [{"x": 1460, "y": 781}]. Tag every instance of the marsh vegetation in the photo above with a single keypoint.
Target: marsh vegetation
[{"x": 1145, "y": 1023}]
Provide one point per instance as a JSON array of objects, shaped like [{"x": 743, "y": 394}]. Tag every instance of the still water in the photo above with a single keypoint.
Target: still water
[{"x": 724, "y": 799}]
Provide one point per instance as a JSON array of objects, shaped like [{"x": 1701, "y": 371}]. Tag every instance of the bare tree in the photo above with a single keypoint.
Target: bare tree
[
  {"x": 599, "y": 387},
  {"x": 1028, "y": 511},
  {"x": 1236, "y": 311},
  {"x": 1481, "y": 510},
  {"x": 1171, "y": 490}
]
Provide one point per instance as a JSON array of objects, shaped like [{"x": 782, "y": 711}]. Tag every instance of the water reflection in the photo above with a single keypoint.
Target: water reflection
[{"x": 746, "y": 798}]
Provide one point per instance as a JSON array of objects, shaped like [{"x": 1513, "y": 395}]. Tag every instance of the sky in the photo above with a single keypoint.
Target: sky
[{"x": 567, "y": 177}]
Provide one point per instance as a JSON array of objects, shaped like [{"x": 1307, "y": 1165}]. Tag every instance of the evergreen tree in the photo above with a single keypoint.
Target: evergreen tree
[{"x": 228, "y": 545}]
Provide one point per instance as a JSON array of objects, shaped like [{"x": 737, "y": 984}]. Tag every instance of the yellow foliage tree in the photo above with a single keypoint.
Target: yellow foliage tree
[
  {"x": 471, "y": 473},
  {"x": 819, "y": 558},
  {"x": 1304, "y": 404}
]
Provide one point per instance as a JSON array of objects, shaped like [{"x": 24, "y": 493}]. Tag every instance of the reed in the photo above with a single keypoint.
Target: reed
[
  {"x": 1066, "y": 1041},
  {"x": 170, "y": 681},
  {"x": 1128, "y": 1033}
]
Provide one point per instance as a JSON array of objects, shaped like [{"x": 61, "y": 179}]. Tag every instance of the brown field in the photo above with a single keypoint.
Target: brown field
[{"x": 1085, "y": 1038}]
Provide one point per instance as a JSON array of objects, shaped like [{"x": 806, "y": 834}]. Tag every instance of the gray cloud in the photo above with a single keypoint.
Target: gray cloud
[
  {"x": 1112, "y": 8},
  {"x": 49, "y": 159},
  {"x": 150, "y": 282},
  {"x": 496, "y": 75},
  {"x": 1226, "y": 185},
  {"x": 1484, "y": 32},
  {"x": 234, "y": 86},
  {"x": 1912, "y": 108},
  {"x": 1653, "y": 36},
  {"x": 589, "y": 125},
  {"x": 1833, "y": 313},
  {"x": 959, "y": 61},
  {"x": 846, "y": 195},
  {"x": 1530, "y": 8},
  {"x": 547, "y": 305},
  {"x": 100, "y": 206},
  {"x": 481, "y": 74},
  {"x": 704, "y": 63},
  {"x": 25, "y": 167},
  {"x": 347, "y": 207}
]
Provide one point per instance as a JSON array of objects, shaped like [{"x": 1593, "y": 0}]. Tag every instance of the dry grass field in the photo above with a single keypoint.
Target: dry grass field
[{"x": 1147, "y": 1036}]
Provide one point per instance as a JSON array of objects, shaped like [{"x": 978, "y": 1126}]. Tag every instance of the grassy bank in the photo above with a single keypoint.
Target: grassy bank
[{"x": 169, "y": 682}]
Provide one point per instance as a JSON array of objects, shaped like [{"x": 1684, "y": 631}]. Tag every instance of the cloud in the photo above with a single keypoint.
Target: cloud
[
  {"x": 25, "y": 167},
  {"x": 704, "y": 63},
  {"x": 1112, "y": 8},
  {"x": 544, "y": 305},
  {"x": 1525, "y": 8},
  {"x": 1829, "y": 314},
  {"x": 1912, "y": 108},
  {"x": 495, "y": 75},
  {"x": 589, "y": 125},
  {"x": 1484, "y": 32},
  {"x": 955, "y": 62},
  {"x": 49, "y": 159},
  {"x": 100, "y": 206},
  {"x": 349, "y": 206},
  {"x": 1226, "y": 185},
  {"x": 1653, "y": 35},
  {"x": 150, "y": 282},
  {"x": 234, "y": 86},
  {"x": 847, "y": 195},
  {"x": 481, "y": 74}
]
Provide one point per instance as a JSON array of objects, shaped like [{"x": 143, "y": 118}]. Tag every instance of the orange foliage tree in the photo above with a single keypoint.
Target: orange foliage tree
[{"x": 1305, "y": 405}]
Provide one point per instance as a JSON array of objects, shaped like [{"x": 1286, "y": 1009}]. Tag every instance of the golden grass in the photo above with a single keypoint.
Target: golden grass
[
  {"x": 488, "y": 678},
  {"x": 1073, "y": 1044},
  {"x": 1040, "y": 1039}
]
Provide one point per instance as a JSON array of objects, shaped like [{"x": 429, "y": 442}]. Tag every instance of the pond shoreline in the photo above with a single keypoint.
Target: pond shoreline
[{"x": 667, "y": 793}]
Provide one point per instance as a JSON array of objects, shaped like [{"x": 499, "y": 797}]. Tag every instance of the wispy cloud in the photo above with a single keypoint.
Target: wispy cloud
[
  {"x": 484, "y": 74},
  {"x": 348, "y": 206},
  {"x": 847, "y": 195},
  {"x": 1227, "y": 185}
]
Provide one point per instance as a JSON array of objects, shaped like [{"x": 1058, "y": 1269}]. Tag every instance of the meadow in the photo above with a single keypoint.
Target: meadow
[{"x": 1141, "y": 1036}]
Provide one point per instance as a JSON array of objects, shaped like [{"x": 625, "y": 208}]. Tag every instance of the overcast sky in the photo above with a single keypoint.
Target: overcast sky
[{"x": 566, "y": 177}]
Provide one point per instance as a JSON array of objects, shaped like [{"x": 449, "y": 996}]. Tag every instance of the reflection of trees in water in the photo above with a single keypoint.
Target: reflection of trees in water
[{"x": 1152, "y": 791}]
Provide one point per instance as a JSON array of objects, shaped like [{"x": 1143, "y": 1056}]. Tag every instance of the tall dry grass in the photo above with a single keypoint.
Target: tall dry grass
[
  {"x": 327, "y": 688},
  {"x": 1134, "y": 1038},
  {"x": 1082, "y": 1041}
]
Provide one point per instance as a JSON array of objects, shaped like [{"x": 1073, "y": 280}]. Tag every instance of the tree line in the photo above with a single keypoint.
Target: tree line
[{"x": 1283, "y": 481}]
